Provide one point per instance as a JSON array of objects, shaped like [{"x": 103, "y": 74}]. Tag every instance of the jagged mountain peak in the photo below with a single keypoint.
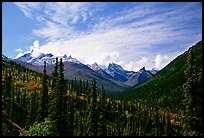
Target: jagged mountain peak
[
  {"x": 154, "y": 70},
  {"x": 94, "y": 66},
  {"x": 49, "y": 55},
  {"x": 115, "y": 67},
  {"x": 65, "y": 56},
  {"x": 142, "y": 69},
  {"x": 49, "y": 58},
  {"x": 113, "y": 71}
]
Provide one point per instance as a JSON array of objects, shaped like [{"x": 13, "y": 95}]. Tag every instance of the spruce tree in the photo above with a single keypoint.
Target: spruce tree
[
  {"x": 94, "y": 117},
  {"x": 192, "y": 94},
  {"x": 62, "y": 100},
  {"x": 33, "y": 109},
  {"x": 53, "y": 104},
  {"x": 8, "y": 88},
  {"x": 44, "y": 98},
  {"x": 187, "y": 88},
  {"x": 75, "y": 85},
  {"x": 55, "y": 74},
  {"x": 103, "y": 120},
  {"x": 72, "y": 85}
]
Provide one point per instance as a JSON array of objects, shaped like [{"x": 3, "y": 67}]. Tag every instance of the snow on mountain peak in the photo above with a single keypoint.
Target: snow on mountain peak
[
  {"x": 65, "y": 56},
  {"x": 114, "y": 67},
  {"x": 94, "y": 66},
  {"x": 154, "y": 70},
  {"x": 49, "y": 58}
]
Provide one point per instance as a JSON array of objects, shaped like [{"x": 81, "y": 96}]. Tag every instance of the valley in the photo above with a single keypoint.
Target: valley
[
  {"x": 101, "y": 69},
  {"x": 154, "y": 102}
]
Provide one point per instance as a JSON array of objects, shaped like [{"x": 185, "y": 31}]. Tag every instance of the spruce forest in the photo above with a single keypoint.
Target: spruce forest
[{"x": 35, "y": 104}]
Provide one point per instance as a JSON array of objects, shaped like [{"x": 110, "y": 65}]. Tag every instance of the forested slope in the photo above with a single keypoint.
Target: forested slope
[{"x": 35, "y": 104}]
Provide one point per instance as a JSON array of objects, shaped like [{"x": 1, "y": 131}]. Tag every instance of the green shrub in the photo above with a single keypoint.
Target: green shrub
[{"x": 39, "y": 129}]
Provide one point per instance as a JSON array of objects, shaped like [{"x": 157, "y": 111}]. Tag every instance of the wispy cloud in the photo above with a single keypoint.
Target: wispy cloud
[
  {"x": 143, "y": 34},
  {"x": 28, "y": 8},
  {"x": 19, "y": 50}
]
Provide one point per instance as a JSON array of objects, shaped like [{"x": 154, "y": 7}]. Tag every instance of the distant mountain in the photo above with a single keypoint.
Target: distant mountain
[
  {"x": 25, "y": 58},
  {"x": 73, "y": 69},
  {"x": 154, "y": 70},
  {"x": 129, "y": 78},
  {"x": 49, "y": 58},
  {"x": 117, "y": 72},
  {"x": 140, "y": 76},
  {"x": 98, "y": 69},
  {"x": 94, "y": 66},
  {"x": 114, "y": 75}
]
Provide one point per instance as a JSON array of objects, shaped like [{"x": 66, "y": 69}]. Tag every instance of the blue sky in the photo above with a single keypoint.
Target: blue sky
[{"x": 132, "y": 34}]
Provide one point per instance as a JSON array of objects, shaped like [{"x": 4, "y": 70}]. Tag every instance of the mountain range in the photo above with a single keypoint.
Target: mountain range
[
  {"x": 114, "y": 76},
  {"x": 165, "y": 88}
]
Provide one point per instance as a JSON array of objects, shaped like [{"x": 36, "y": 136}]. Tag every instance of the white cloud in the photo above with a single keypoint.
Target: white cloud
[
  {"x": 137, "y": 65},
  {"x": 20, "y": 53},
  {"x": 28, "y": 7},
  {"x": 36, "y": 44},
  {"x": 52, "y": 31},
  {"x": 19, "y": 50},
  {"x": 161, "y": 61},
  {"x": 57, "y": 12},
  {"x": 130, "y": 37},
  {"x": 35, "y": 49}
]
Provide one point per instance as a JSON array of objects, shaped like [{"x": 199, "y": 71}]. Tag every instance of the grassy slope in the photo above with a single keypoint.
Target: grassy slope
[{"x": 165, "y": 86}]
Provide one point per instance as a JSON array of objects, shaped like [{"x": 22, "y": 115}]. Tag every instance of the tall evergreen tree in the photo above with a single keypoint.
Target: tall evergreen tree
[
  {"x": 75, "y": 85},
  {"x": 80, "y": 87},
  {"x": 44, "y": 98},
  {"x": 187, "y": 89},
  {"x": 72, "y": 85},
  {"x": 7, "y": 93},
  {"x": 55, "y": 74},
  {"x": 94, "y": 117},
  {"x": 33, "y": 110},
  {"x": 103, "y": 120},
  {"x": 54, "y": 98},
  {"x": 62, "y": 103},
  {"x": 87, "y": 88},
  {"x": 192, "y": 95}
]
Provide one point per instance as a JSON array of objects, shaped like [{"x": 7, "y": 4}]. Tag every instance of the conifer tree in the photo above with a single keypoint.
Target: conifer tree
[
  {"x": 94, "y": 117},
  {"x": 33, "y": 107},
  {"x": 55, "y": 74},
  {"x": 187, "y": 89},
  {"x": 80, "y": 87},
  {"x": 192, "y": 102},
  {"x": 72, "y": 85},
  {"x": 61, "y": 103},
  {"x": 44, "y": 98},
  {"x": 18, "y": 103},
  {"x": 71, "y": 119},
  {"x": 103, "y": 120},
  {"x": 54, "y": 98},
  {"x": 8, "y": 88},
  {"x": 24, "y": 109},
  {"x": 75, "y": 85},
  {"x": 87, "y": 88}
]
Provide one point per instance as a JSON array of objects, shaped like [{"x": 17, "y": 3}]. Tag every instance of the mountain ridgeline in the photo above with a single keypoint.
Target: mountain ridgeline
[
  {"x": 114, "y": 76},
  {"x": 166, "y": 87},
  {"x": 166, "y": 104}
]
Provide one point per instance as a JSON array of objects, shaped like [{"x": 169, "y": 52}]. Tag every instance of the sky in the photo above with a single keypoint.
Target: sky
[{"x": 131, "y": 34}]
